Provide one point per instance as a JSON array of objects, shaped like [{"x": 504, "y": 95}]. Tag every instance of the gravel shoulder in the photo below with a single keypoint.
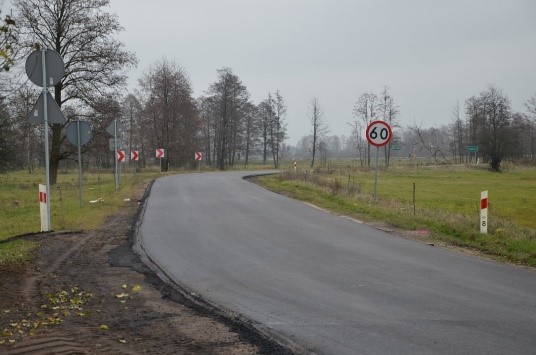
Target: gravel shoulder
[{"x": 90, "y": 293}]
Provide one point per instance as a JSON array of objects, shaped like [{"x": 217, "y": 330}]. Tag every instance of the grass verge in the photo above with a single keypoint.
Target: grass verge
[
  {"x": 507, "y": 241},
  {"x": 19, "y": 205}
]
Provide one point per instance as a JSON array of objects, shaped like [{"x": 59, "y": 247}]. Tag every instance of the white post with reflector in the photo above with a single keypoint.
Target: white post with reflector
[
  {"x": 484, "y": 212},
  {"x": 43, "y": 201}
]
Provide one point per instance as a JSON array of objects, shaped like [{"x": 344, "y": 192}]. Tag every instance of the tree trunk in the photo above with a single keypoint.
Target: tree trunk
[
  {"x": 314, "y": 148},
  {"x": 55, "y": 154}
]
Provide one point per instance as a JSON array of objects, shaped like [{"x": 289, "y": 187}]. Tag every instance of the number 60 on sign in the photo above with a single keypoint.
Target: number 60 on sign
[{"x": 379, "y": 133}]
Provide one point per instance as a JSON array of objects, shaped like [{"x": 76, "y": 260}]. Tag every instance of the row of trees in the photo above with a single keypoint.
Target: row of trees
[
  {"x": 82, "y": 32},
  {"x": 233, "y": 125},
  {"x": 369, "y": 107},
  {"x": 224, "y": 123},
  {"x": 161, "y": 113},
  {"x": 489, "y": 125}
]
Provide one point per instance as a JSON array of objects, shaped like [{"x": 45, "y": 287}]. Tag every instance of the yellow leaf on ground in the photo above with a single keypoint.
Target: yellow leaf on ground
[
  {"x": 136, "y": 288},
  {"x": 103, "y": 327}
]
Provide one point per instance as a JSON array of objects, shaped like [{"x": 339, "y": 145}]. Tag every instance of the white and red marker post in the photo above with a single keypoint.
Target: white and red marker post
[
  {"x": 43, "y": 200},
  {"x": 484, "y": 212}
]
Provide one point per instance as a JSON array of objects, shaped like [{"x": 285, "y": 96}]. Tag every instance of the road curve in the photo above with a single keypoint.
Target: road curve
[{"x": 328, "y": 283}]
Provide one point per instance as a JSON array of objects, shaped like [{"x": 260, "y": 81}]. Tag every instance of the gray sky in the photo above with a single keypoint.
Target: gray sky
[{"x": 430, "y": 53}]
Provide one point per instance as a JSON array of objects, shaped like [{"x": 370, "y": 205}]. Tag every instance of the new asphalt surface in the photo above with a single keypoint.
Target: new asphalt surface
[{"x": 328, "y": 283}]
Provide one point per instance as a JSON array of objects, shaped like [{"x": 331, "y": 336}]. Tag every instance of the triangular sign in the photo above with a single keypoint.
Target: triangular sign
[{"x": 53, "y": 110}]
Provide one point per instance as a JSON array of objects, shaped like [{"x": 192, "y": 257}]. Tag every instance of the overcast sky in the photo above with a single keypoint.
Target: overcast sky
[{"x": 430, "y": 53}]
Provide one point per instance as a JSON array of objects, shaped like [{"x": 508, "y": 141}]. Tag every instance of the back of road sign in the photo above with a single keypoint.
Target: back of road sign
[
  {"x": 37, "y": 115},
  {"x": 55, "y": 68},
  {"x": 72, "y": 133}
]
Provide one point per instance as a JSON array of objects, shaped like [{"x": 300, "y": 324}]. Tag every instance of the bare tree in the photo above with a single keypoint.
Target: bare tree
[
  {"x": 530, "y": 104},
  {"x": 522, "y": 137},
  {"x": 252, "y": 129},
  {"x": 303, "y": 147},
  {"x": 266, "y": 114},
  {"x": 433, "y": 142},
  {"x": 357, "y": 142},
  {"x": 207, "y": 110},
  {"x": 490, "y": 116},
  {"x": 228, "y": 98},
  {"x": 132, "y": 116},
  {"x": 318, "y": 125},
  {"x": 278, "y": 127},
  {"x": 366, "y": 108},
  {"x": 457, "y": 129},
  {"x": 81, "y": 31},
  {"x": 7, "y": 137},
  {"x": 389, "y": 112},
  {"x": 21, "y": 103},
  {"x": 103, "y": 111},
  {"x": 171, "y": 111}
]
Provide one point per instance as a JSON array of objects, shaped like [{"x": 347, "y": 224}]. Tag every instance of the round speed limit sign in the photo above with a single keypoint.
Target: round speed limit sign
[{"x": 379, "y": 133}]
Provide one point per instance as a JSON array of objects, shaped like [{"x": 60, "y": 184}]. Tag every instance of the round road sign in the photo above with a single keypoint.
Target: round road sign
[
  {"x": 54, "y": 66},
  {"x": 73, "y": 134},
  {"x": 379, "y": 133}
]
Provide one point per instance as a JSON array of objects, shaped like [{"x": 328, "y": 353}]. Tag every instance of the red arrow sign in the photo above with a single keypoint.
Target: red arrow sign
[
  {"x": 120, "y": 155},
  {"x": 198, "y": 156},
  {"x": 134, "y": 155},
  {"x": 160, "y": 153}
]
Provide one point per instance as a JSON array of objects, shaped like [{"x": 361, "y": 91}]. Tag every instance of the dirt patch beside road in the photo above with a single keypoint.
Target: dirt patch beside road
[{"x": 90, "y": 293}]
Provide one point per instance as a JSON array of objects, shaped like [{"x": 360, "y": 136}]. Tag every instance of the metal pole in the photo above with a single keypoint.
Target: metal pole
[
  {"x": 47, "y": 160},
  {"x": 376, "y": 176},
  {"x": 79, "y": 162},
  {"x": 115, "y": 156}
]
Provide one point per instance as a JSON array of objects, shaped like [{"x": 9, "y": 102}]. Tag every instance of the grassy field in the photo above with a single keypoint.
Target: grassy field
[
  {"x": 19, "y": 204},
  {"x": 447, "y": 202}
]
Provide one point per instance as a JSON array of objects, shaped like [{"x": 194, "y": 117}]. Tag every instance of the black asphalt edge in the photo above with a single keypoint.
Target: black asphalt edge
[
  {"x": 267, "y": 341},
  {"x": 35, "y": 235}
]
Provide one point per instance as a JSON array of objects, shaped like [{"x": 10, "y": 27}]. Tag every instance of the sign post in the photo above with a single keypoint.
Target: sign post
[
  {"x": 134, "y": 156},
  {"x": 160, "y": 153},
  {"x": 45, "y": 68},
  {"x": 79, "y": 133},
  {"x": 378, "y": 134},
  {"x": 198, "y": 157},
  {"x": 484, "y": 212},
  {"x": 472, "y": 149},
  {"x": 116, "y": 129}
]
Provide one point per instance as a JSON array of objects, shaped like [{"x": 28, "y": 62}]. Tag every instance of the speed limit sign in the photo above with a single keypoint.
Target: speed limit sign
[{"x": 379, "y": 133}]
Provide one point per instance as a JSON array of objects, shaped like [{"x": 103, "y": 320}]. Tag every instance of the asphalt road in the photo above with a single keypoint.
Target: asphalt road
[{"x": 328, "y": 283}]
